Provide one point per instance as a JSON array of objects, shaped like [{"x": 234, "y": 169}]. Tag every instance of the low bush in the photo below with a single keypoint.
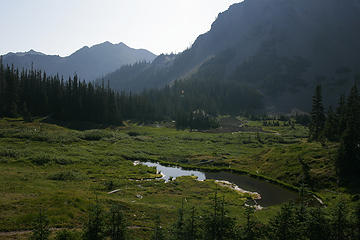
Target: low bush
[
  {"x": 66, "y": 235},
  {"x": 133, "y": 134},
  {"x": 10, "y": 153},
  {"x": 42, "y": 159},
  {"x": 63, "y": 161},
  {"x": 66, "y": 176},
  {"x": 95, "y": 135}
]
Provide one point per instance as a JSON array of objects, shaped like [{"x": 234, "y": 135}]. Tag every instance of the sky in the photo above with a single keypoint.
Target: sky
[{"x": 60, "y": 27}]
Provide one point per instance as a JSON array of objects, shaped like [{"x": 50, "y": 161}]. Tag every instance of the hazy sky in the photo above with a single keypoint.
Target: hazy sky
[{"x": 61, "y": 27}]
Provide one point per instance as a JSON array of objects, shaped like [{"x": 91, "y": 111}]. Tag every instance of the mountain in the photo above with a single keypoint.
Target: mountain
[
  {"x": 281, "y": 48},
  {"x": 21, "y": 54},
  {"x": 88, "y": 62}
]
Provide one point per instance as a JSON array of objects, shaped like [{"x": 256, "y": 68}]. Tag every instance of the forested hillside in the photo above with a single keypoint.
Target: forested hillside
[
  {"x": 280, "y": 48},
  {"x": 32, "y": 92}
]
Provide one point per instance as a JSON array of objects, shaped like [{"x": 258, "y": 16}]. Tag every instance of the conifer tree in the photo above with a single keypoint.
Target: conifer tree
[
  {"x": 26, "y": 114},
  {"x": 348, "y": 159},
  {"x": 340, "y": 222},
  {"x": 331, "y": 125},
  {"x": 218, "y": 225},
  {"x": 179, "y": 227},
  {"x": 192, "y": 231},
  {"x": 284, "y": 225},
  {"x": 317, "y": 115},
  {"x": 249, "y": 232},
  {"x": 94, "y": 228},
  {"x": 158, "y": 233},
  {"x": 317, "y": 227},
  {"x": 117, "y": 224},
  {"x": 357, "y": 221},
  {"x": 41, "y": 230},
  {"x": 2, "y": 89},
  {"x": 341, "y": 116}
]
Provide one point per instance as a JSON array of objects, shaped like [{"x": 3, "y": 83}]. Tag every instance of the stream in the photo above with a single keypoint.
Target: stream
[{"x": 271, "y": 194}]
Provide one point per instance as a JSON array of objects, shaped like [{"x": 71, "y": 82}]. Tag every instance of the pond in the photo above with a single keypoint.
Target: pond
[{"x": 271, "y": 194}]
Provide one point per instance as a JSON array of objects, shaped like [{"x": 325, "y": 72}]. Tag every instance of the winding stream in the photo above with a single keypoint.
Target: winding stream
[{"x": 271, "y": 194}]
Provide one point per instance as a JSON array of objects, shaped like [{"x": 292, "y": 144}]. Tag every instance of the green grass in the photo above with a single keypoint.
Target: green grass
[{"x": 45, "y": 166}]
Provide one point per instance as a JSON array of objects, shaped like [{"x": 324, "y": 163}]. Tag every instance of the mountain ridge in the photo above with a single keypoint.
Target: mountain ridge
[
  {"x": 89, "y": 63},
  {"x": 281, "y": 48}
]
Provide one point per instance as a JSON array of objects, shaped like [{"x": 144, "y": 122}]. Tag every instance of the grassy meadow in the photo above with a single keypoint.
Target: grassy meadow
[{"x": 62, "y": 171}]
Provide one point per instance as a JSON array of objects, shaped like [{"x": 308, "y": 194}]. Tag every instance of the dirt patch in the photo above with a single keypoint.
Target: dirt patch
[
  {"x": 22, "y": 234},
  {"x": 14, "y": 233}
]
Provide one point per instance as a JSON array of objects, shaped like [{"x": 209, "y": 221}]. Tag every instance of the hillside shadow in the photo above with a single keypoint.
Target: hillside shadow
[{"x": 80, "y": 125}]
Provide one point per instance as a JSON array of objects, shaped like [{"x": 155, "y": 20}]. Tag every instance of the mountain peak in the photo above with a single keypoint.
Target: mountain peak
[
  {"x": 21, "y": 54},
  {"x": 106, "y": 43},
  {"x": 32, "y": 51},
  {"x": 110, "y": 44},
  {"x": 88, "y": 62}
]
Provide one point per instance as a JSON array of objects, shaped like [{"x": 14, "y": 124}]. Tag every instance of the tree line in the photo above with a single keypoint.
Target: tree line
[
  {"x": 340, "y": 125},
  {"x": 31, "y": 92},
  {"x": 292, "y": 222}
]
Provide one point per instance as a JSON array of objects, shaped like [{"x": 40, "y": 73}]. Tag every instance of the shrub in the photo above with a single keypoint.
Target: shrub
[
  {"x": 65, "y": 235},
  {"x": 95, "y": 135},
  {"x": 9, "y": 153},
  {"x": 65, "y": 176},
  {"x": 133, "y": 134},
  {"x": 63, "y": 161},
  {"x": 41, "y": 159}
]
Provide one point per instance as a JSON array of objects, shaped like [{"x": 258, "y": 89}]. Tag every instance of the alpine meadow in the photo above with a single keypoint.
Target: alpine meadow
[{"x": 250, "y": 133}]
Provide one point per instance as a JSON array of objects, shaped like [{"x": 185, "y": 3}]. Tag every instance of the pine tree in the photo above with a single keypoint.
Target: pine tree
[
  {"x": 158, "y": 233},
  {"x": 117, "y": 224},
  {"x": 348, "y": 159},
  {"x": 218, "y": 225},
  {"x": 249, "y": 232},
  {"x": 317, "y": 115},
  {"x": 26, "y": 114},
  {"x": 13, "y": 109},
  {"x": 94, "y": 228},
  {"x": 341, "y": 117},
  {"x": 41, "y": 230},
  {"x": 2, "y": 89},
  {"x": 306, "y": 177},
  {"x": 357, "y": 221},
  {"x": 317, "y": 226},
  {"x": 284, "y": 226},
  {"x": 192, "y": 231},
  {"x": 340, "y": 222},
  {"x": 331, "y": 125},
  {"x": 179, "y": 227}
]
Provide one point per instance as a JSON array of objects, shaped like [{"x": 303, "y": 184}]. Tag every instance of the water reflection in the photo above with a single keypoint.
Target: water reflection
[
  {"x": 174, "y": 172},
  {"x": 271, "y": 194}
]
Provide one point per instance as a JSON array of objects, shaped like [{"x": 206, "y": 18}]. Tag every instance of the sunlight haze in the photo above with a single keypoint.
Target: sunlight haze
[{"x": 60, "y": 27}]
